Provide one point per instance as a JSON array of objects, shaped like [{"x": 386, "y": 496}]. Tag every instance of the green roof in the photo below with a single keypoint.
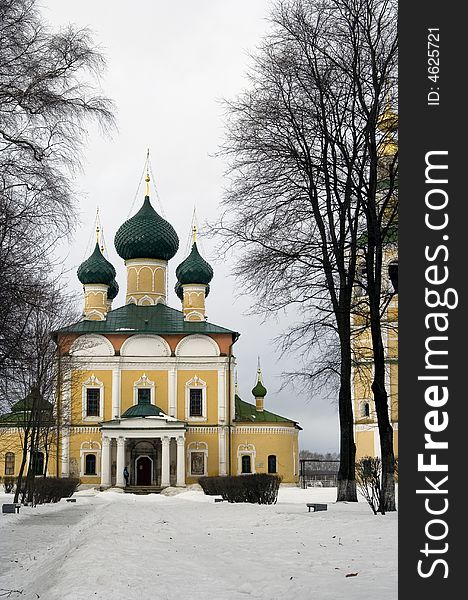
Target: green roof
[
  {"x": 20, "y": 414},
  {"x": 132, "y": 319},
  {"x": 194, "y": 269},
  {"x": 248, "y": 412},
  {"x": 96, "y": 269},
  {"x": 146, "y": 235},
  {"x": 27, "y": 404},
  {"x": 390, "y": 236},
  {"x": 142, "y": 410}
]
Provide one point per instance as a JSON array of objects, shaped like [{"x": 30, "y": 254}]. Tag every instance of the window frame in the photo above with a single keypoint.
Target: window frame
[
  {"x": 271, "y": 456},
  {"x": 35, "y": 462},
  {"x": 242, "y": 450},
  {"x": 90, "y": 454},
  {"x": 9, "y": 464},
  {"x": 243, "y": 458},
  {"x": 89, "y": 400},
  {"x": 92, "y": 383},
  {"x": 198, "y": 401},
  {"x": 196, "y": 384},
  {"x": 144, "y": 383},
  {"x": 202, "y": 448}
]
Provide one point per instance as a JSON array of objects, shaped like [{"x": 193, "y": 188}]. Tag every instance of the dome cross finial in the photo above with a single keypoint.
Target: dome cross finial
[
  {"x": 194, "y": 233},
  {"x": 147, "y": 178}
]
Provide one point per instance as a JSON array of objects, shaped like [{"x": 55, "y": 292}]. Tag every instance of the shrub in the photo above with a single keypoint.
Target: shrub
[
  {"x": 52, "y": 489},
  {"x": 9, "y": 483},
  {"x": 260, "y": 488},
  {"x": 368, "y": 472},
  {"x": 210, "y": 485}
]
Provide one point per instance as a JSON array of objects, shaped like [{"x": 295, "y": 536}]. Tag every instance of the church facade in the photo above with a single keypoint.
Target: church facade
[{"x": 148, "y": 390}]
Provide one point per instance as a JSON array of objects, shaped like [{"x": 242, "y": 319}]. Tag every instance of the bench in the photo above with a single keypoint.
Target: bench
[
  {"x": 71, "y": 499},
  {"x": 11, "y": 508},
  {"x": 316, "y": 507},
  {"x": 219, "y": 499}
]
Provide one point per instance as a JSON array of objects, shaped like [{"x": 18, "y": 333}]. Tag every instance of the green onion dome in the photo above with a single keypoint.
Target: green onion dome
[
  {"x": 143, "y": 410},
  {"x": 180, "y": 292},
  {"x": 96, "y": 269},
  {"x": 113, "y": 290},
  {"x": 194, "y": 269},
  {"x": 146, "y": 235},
  {"x": 259, "y": 391}
]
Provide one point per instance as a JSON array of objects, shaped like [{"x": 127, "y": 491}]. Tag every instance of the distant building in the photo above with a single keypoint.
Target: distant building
[{"x": 365, "y": 419}]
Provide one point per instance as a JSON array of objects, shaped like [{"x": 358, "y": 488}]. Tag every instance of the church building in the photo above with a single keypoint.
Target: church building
[{"x": 151, "y": 388}]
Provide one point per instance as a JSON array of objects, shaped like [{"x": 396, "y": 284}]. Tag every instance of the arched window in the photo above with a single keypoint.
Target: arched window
[
  {"x": 246, "y": 464},
  {"x": 38, "y": 463},
  {"x": 90, "y": 464},
  {"x": 393, "y": 274},
  {"x": 10, "y": 463},
  {"x": 272, "y": 464},
  {"x": 365, "y": 409}
]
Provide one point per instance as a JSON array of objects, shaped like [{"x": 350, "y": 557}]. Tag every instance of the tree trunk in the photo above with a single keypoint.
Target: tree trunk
[
  {"x": 383, "y": 419},
  {"x": 347, "y": 473}
]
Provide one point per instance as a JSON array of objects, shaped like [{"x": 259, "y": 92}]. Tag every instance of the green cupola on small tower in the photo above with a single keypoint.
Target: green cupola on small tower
[
  {"x": 97, "y": 275},
  {"x": 96, "y": 269},
  {"x": 259, "y": 391},
  {"x": 146, "y": 242},
  {"x": 193, "y": 283}
]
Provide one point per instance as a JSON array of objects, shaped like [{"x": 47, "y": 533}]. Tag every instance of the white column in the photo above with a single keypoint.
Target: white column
[
  {"x": 115, "y": 393},
  {"x": 165, "y": 480},
  {"x": 106, "y": 462},
  {"x": 65, "y": 452},
  {"x": 222, "y": 450},
  {"x": 119, "y": 477},
  {"x": 180, "y": 461},
  {"x": 172, "y": 392},
  {"x": 222, "y": 395}
]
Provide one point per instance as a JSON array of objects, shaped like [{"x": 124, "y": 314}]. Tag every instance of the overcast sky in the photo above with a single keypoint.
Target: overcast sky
[{"x": 169, "y": 66}]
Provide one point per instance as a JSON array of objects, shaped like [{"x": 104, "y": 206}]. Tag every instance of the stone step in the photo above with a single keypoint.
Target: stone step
[{"x": 143, "y": 489}]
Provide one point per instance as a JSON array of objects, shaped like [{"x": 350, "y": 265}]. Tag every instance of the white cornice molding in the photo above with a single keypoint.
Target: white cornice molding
[{"x": 264, "y": 429}]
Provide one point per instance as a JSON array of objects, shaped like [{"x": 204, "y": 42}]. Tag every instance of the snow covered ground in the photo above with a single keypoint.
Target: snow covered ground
[{"x": 114, "y": 546}]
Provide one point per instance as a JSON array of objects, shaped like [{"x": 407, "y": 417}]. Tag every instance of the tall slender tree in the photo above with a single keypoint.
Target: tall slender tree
[{"x": 298, "y": 142}]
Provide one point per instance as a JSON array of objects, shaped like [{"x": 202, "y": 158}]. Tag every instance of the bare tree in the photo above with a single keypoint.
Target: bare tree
[
  {"x": 47, "y": 96},
  {"x": 298, "y": 141}
]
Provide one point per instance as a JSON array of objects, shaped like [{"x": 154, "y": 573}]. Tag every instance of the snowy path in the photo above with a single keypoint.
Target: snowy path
[{"x": 115, "y": 546}]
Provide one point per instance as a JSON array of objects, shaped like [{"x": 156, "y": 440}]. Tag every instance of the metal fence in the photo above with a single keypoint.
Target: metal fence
[{"x": 316, "y": 472}]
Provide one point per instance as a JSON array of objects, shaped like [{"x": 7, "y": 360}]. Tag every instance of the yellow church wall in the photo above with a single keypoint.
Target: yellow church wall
[
  {"x": 364, "y": 444},
  {"x": 197, "y": 441},
  {"x": 283, "y": 445},
  {"x": 81, "y": 443},
  {"x": 362, "y": 387},
  {"x": 362, "y": 345},
  {"x": 78, "y": 379},
  {"x": 395, "y": 442},
  {"x": 211, "y": 380},
  {"x": 128, "y": 380},
  {"x": 11, "y": 440}
]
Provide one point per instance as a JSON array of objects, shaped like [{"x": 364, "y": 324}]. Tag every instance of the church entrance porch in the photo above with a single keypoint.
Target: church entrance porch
[{"x": 152, "y": 449}]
